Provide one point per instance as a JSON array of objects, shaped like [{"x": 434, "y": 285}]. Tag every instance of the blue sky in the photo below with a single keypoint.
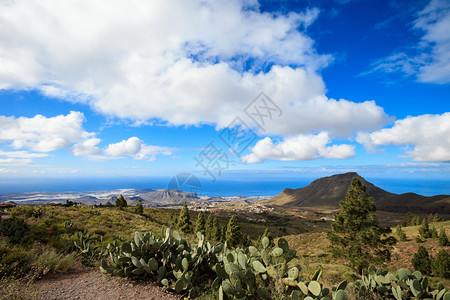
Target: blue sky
[{"x": 139, "y": 88}]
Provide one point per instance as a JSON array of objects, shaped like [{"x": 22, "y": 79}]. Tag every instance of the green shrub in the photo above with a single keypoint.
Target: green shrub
[
  {"x": 418, "y": 240},
  {"x": 234, "y": 234},
  {"x": 16, "y": 230},
  {"x": 14, "y": 260},
  {"x": 425, "y": 230},
  {"x": 441, "y": 265},
  {"x": 49, "y": 261},
  {"x": 139, "y": 209},
  {"x": 121, "y": 202},
  {"x": 400, "y": 233},
  {"x": 421, "y": 261},
  {"x": 200, "y": 224},
  {"x": 184, "y": 222},
  {"x": 443, "y": 239}
]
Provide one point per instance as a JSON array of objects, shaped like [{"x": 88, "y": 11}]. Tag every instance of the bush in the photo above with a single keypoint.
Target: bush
[
  {"x": 441, "y": 265},
  {"x": 184, "y": 221},
  {"x": 418, "y": 240},
  {"x": 14, "y": 260},
  {"x": 443, "y": 239},
  {"x": 421, "y": 261},
  {"x": 200, "y": 225},
  {"x": 139, "y": 209},
  {"x": 400, "y": 233},
  {"x": 234, "y": 234},
  {"x": 16, "y": 230},
  {"x": 424, "y": 230},
  {"x": 121, "y": 202},
  {"x": 48, "y": 261}
]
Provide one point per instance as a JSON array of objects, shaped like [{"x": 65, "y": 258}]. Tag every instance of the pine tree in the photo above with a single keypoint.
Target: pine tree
[
  {"x": 209, "y": 227},
  {"x": 139, "y": 209},
  {"x": 200, "y": 225},
  {"x": 430, "y": 218},
  {"x": 421, "y": 261},
  {"x": 184, "y": 222},
  {"x": 400, "y": 233},
  {"x": 121, "y": 202},
  {"x": 408, "y": 219},
  {"x": 216, "y": 230},
  {"x": 174, "y": 222},
  {"x": 355, "y": 234},
  {"x": 416, "y": 221},
  {"x": 424, "y": 229},
  {"x": 443, "y": 239},
  {"x": 233, "y": 234},
  {"x": 441, "y": 265},
  {"x": 436, "y": 218},
  {"x": 434, "y": 232},
  {"x": 223, "y": 234}
]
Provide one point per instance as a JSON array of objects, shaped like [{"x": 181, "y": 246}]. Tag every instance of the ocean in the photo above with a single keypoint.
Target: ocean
[{"x": 248, "y": 187}]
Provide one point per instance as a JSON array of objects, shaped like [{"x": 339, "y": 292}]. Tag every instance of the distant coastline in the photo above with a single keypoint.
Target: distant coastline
[{"x": 225, "y": 188}]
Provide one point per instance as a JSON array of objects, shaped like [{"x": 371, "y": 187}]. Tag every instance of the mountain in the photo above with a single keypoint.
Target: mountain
[
  {"x": 149, "y": 197},
  {"x": 168, "y": 197},
  {"x": 326, "y": 192}
]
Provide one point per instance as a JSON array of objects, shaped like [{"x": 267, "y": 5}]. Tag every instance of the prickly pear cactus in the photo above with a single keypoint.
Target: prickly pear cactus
[{"x": 402, "y": 285}]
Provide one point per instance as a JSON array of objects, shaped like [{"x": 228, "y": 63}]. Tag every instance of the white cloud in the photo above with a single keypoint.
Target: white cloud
[
  {"x": 428, "y": 135},
  {"x": 22, "y": 154},
  {"x": 300, "y": 147},
  {"x": 178, "y": 61},
  {"x": 434, "y": 20},
  {"x": 134, "y": 147},
  {"x": 131, "y": 147},
  {"x": 6, "y": 171},
  {"x": 42, "y": 134},
  {"x": 15, "y": 161},
  {"x": 87, "y": 147},
  {"x": 431, "y": 63}
]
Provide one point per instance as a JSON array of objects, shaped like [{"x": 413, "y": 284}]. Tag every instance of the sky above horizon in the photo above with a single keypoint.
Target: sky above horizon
[{"x": 224, "y": 89}]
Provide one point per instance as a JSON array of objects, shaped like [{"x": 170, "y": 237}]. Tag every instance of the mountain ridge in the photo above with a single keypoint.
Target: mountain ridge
[{"x": 327, "y": 191}]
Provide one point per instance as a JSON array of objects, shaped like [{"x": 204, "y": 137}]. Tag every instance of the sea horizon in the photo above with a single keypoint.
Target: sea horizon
[{"x": 225, "y": 188}]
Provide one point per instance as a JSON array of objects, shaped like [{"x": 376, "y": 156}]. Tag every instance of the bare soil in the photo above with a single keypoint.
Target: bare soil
[{"x": 91, "y": 284}]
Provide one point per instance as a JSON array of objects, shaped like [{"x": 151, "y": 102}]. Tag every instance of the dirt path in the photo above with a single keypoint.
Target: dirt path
[{"x": 91, "y": 284}]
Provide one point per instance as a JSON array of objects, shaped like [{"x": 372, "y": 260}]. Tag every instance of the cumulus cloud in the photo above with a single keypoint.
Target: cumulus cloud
[
  {"x": 428, "y": 135},
  {"x": 87, "y": 147},
  {"x": 126, "y": 147},
  {"x": 181, "y": 62},
  {"x": 42, "y": 134},
  {"x": 300, "y": 147},
  {"x": 432, "y": 62},
  {"x": 136, "y": 148}
]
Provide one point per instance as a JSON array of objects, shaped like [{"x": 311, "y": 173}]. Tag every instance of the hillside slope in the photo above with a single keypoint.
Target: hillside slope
[
  {"x": 326, "y": 192},
  {"x": 411, "y": 202}
]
